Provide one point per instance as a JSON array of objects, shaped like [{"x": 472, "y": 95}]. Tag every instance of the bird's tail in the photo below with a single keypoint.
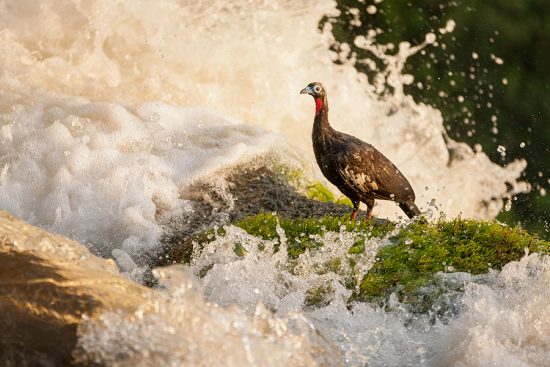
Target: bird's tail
[{"x": 410, "y": 208}]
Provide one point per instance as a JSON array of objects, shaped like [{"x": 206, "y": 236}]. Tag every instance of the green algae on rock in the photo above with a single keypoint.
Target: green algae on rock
[
  {"x": 410, "y": 260},
  {"x": 422, "y": 250},
  {"x": 299, "y": 230}
]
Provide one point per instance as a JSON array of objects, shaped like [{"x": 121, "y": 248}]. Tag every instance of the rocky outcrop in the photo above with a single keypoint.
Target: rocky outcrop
[{"x": 48, "y": 284}]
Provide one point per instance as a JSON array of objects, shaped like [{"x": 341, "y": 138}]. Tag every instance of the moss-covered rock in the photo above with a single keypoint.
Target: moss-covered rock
[
  {"x": 410, "y": 262},
  {"x": 265, "y": 185},
  {"x": 422, "y": 250},
  {"x": 269, "y": 196},
  {"x": 299, "y": 231}
]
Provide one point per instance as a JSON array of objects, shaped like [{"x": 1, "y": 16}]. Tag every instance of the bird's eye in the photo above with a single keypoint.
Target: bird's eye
[{"x": 317, "y": 89}]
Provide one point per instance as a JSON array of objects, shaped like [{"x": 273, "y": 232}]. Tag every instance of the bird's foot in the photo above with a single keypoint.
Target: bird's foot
[{"x": 368, "y": 217}]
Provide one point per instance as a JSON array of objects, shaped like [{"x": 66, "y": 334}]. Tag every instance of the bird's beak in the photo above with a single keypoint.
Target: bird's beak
[{"x": 306, "y": 90}]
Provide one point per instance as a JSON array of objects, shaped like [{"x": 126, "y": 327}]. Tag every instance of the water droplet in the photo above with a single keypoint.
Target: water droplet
[
  {"x": 449, "y": 27},
  {"x": 502, "y": 150},
  {"x": 371, "y": 9},
  {"x": 430, "y": 38},
  {"x": 508, "y": 205}
]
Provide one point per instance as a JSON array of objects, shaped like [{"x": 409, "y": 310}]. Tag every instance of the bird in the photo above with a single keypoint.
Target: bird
[{"x": 356, "y": 168}]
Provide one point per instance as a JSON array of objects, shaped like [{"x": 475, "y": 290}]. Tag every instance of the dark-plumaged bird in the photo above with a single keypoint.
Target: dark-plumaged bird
[{"x": 356, "y": 168}]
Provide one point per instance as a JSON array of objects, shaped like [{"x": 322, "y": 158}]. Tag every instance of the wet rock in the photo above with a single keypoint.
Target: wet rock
[
  {"x": 48, "y": 285},
  {"x": 258, "y": 188}
]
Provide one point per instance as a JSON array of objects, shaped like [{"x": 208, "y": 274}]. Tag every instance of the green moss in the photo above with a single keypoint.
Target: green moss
[
  {"x": 319, "y": 296},
  {"x": 318, "y": 191},
  {"x": 416, "y": 254},
  {"x": 344, "y": 201},
  {"x": 409, "y": 265},
  {"x": 261, "y": 225},
  {"x": 239, "y": 250},
  {"x": 299, "y": 232},
  {"x": 421, "y": 250}
]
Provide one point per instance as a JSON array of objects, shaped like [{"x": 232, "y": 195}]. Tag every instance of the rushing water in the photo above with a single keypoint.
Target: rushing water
[{"x": 109, "y": 111}]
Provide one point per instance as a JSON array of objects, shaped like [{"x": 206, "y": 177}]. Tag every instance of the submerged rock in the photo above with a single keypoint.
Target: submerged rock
[{"x": 48, "y": 286}]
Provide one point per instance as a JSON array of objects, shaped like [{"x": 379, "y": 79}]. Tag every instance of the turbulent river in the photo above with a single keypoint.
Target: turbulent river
[{"x": 110, "y": 111}]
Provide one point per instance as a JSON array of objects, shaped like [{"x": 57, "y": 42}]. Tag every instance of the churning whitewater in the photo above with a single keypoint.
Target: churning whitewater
[{"x": 109, "y": 111}]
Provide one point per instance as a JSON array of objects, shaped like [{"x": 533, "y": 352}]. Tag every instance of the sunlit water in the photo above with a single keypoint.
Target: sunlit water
[{"x": 109, "y": 111}]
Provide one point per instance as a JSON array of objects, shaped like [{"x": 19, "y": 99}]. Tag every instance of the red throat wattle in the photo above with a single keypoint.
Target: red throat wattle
[{"x": 318, "y": 105}]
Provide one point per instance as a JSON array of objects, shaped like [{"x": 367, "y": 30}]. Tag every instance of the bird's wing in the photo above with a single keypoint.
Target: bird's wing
[{"x": 371, "y": 174}]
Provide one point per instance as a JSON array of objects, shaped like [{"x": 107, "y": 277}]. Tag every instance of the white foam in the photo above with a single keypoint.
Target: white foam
[
  {"x": 178, "y": 328},
  {"x": 503, "y": 324},
  {"x": 104, "y": 173}
]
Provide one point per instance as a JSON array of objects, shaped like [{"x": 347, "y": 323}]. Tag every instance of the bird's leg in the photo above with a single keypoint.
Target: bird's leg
[
  {"x": 368, "y": 217},
  {"x": 354, "y": 211},
  {"x": 370, "y": 206}
]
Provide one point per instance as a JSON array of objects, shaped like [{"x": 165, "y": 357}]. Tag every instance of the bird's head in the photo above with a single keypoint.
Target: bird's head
[{"x": 317, "y": 91}]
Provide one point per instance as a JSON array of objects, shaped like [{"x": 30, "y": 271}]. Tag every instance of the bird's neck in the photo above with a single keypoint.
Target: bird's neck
[
  {"x": 322, "y": 131},
  {"x": 321, "y": 125}
]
